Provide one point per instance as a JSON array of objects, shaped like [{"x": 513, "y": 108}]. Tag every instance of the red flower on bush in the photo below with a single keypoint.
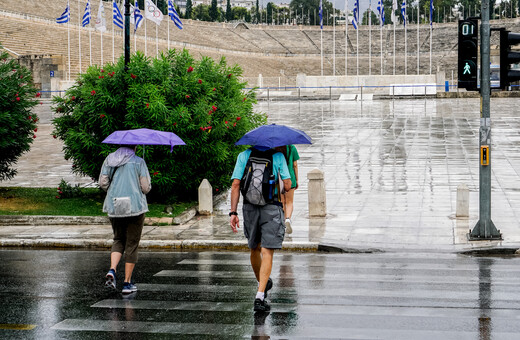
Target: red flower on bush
[
  {"x": 155, "y": 173},
  {"x": 17, "y": 99},
  {"x": 73, "y": 98},
  {"x": 102, "y": 71},
  {"x": 38, "y": 94},
  {"x": 36, "y": 130},
  {"x": 41, "y": 103},
  {"x": 93, "y": 92},
  {"x": 244, "y": 99},
  {"x": 174, "y": 124},
  {"x": 57, "y": 197},
  {"x": 214, "y": 89},
  {"x": 200, "y": 81},
  {"x": 229, "y": 75},
  {"x": 238, "y": 118},
  {"x": 147, "y": 105},
  {"x": 133, "y": 76},
  {"x": 214, "y": 108},
  {"x": 101, "y": 77},
  {"x": 234, "y": 124},
  {"x": 34, "y": 136},
  {"x": 54, "y": 136},
  {"x": 190, "y": 69},
  {"x": 187, "y": 96},
  {"x": 226, "y": 122},
  {"x": 102, "y": 116}
]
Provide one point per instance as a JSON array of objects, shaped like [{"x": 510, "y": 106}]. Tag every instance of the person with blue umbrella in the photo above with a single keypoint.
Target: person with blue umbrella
[{"x": 258, "y": 174}]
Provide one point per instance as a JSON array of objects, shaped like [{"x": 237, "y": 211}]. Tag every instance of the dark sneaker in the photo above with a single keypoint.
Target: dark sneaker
[
  {"x": 268, "y": 286},
  {"x": 261, "y": 306},
  {"x": 110, "y": 279},
  {"x": 128, "y": 288}
]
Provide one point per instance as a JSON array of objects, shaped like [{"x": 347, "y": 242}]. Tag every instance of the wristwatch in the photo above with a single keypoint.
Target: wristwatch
[{"x": 233, "y": 213}]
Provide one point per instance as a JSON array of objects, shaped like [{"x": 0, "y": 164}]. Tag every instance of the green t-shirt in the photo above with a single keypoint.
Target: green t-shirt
[{"x": 292, "y": 156}]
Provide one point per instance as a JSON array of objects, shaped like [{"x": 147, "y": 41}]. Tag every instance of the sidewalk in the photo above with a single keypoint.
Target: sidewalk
[{"x": 391, "y": 171}]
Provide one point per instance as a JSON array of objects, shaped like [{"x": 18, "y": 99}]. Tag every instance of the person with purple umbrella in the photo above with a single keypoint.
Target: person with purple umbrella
[{"x": 125, "y": 178}]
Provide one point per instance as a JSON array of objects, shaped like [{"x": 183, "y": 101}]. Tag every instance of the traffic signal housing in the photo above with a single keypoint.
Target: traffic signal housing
[
  {"x": 468, "y": 54},
  {"x": 508, "y": 57}
]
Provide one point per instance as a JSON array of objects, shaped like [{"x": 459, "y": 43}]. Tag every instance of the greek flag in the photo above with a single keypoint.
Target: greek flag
[
  {"x": 86, "y": 16},
  {"x": 381, "y": 10},
  {"x": 403, "y": 12},
  {"x": 174, "y": 15},
  {"x": 394, "y": 8},
  {"x": 431, "y": 12},
  {"x": 65, "y": 17},
  {"x": 355, "y": 19},
  {"x": 118, "y": 18},
  {"x": 321, "y": 14},
  {"x": 138, "y": 17}
]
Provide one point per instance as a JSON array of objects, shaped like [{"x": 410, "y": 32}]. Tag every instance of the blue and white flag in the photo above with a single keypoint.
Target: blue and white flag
[
  {"x": 403, "y": 12},
  {"x": 138, "y": 17},
  {"x": 431, "y": 12},
  {"x": 321, "y": 14},
  {"x": 355, "y": 19},
  {"x": 381, "y": 10},
  {"x": 65, "y": 16},
  {"x": 174, "y": 15},
  {"x": 118, "y": 18},
  {"x": 86, "y": 15}
]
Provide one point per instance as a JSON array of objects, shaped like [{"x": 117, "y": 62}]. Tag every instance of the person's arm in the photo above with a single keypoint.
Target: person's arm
[
  {"x": 235, "y": 197},
  {"x": 295, "y": 167},
  {"x": 104, "y": 180},
  {"x": 145, "y": 181}
]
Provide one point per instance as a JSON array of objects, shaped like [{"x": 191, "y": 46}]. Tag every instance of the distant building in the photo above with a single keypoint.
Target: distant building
[{"x": 247, "y": 4}]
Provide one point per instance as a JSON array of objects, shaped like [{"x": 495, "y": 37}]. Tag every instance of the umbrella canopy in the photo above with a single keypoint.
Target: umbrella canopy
[
  {"x": 274, "y": 135},
  {"x": 144, "y": 137}
]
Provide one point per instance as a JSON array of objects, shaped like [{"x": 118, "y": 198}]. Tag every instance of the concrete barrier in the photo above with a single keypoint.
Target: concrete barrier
[
  {"x": 462, "y": 201},
  {"x": 316, "y": 193},
  {"x": 205, "y": 198}
]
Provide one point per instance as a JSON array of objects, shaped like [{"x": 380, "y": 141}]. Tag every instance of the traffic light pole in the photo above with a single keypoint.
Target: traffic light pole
[{"x": 485, "y": 229}]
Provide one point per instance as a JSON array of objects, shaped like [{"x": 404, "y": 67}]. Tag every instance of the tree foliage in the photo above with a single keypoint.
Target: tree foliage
[
  {"x": 17, "y": 123},
  {"x": 203, "y": 102}
]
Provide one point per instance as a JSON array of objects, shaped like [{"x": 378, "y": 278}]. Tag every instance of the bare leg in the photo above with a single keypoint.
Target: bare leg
[
  {"x": 115, "y": 257},
  {"x": 265, "y": 268},
  {"x": 256, "y": 261},
  {"x": 288, "y": 206},
  {"x": 129, "y": 268}
]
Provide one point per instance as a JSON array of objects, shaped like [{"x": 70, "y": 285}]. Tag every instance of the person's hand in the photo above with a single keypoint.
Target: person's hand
[{"x": 234, "y": 223}]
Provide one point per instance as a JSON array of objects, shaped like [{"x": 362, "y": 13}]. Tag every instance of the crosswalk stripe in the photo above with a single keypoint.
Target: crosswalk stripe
[{"x": 18, "y": 327}]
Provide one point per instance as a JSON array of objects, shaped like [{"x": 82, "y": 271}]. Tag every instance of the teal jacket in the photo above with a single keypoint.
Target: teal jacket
[{"x": 125, "y": 178}]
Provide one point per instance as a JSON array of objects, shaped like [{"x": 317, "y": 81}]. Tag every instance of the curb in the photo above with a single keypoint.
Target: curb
[
  {"x": 490, "y": 251},
  {"x": 51, "y": 220},
  {"x": 234, "y": 245}
]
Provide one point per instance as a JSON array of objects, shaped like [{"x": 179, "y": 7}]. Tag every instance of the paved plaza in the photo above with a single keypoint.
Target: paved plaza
[{"x": 391, "y": 168}]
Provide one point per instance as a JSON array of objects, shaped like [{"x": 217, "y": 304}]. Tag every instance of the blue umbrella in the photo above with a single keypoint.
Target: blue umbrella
[
  {"x": 274, "y": 135},
  {"x": 144, "y": 137}
]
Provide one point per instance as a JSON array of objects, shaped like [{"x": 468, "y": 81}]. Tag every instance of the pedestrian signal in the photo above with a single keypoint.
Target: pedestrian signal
[
  {"x": 507, "y": 57},
  {"x": 468, "y": 54}
]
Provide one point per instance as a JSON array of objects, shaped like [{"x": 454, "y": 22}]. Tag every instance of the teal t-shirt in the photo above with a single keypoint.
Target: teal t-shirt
[
  {"x": 292, "y": 156},
  {"x": 279, "y": 165}
]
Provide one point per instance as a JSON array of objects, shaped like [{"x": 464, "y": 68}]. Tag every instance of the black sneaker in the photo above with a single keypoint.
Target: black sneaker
[
  {"x": 268, "y": 286},
  {"x": 261, "y": 306}
]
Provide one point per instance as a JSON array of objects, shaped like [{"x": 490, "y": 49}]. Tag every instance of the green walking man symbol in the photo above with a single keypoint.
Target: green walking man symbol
[{"x": 467, "y": 69}]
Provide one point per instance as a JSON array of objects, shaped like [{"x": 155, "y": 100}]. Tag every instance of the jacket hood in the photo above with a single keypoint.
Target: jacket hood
[{"x": 120, "y": 157}]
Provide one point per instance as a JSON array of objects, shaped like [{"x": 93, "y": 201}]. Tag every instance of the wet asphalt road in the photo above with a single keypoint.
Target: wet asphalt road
[{"x": 60, "y": 295}]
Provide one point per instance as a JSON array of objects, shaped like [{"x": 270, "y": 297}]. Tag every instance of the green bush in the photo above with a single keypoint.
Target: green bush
[
  {"x": 203, "y": 102},
  {"x": 17, "y": 123},
  {"x": 65, "y": 190}
]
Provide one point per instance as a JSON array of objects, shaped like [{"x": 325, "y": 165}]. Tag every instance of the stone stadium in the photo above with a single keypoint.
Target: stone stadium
[{"x": 270, "y": 56}]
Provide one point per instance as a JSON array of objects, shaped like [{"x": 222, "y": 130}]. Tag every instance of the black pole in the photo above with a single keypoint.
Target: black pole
[{"x": 127, "y": 34}]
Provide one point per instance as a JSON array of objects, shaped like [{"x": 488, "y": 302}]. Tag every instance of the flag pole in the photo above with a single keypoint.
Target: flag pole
[
  {"x": 381, "y": 40},
  {"x": 113, "y": 30},
  {"x": 405, "y": 44},
  {"x": 321, "y": 34},
  {"x": 369, "y": 37},
  {"x": 68, "y": 41},
  {"x": 79, "y": 34},
  {"x": 145, "y": 49},
  {"x": 346, "y": 36},
  {"x": 334, "y": 38},
  {"x": 156, "y": 36},
  {"x": 168, "y": 28},
  {"x": 431, "y": 31},
  {"x": 418, "y": 48},
  {"x": 394, "y": 19}
]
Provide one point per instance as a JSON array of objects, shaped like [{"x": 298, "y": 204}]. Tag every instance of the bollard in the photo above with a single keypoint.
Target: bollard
[
  {"x": 316, "y": 193},
  {"x": 462, "y": 201},
  {"x": 205, "y": 198}
]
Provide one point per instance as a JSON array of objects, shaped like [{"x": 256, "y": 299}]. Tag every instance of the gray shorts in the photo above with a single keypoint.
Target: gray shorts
[{"x": 263, "y": 225}]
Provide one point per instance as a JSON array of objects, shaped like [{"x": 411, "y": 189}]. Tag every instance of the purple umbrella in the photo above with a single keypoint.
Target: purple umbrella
[
  {"x": 274, "y": 135},
  {"x": 144, "y": 137}
]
